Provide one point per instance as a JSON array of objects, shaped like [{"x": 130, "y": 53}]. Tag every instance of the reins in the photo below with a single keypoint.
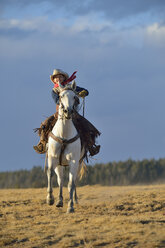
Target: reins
[{"x": 83, "y": 106}]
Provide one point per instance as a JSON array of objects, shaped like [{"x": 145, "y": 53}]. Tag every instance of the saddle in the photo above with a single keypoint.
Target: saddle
[{"x": 87, "y": 132}]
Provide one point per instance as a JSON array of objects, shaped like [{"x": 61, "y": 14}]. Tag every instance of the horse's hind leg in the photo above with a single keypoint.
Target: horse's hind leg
[
  {"x": 59, "y": 172},
  {"x": 50, "y": 198}
]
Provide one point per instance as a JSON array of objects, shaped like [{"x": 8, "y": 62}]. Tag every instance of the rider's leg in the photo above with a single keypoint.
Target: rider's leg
[
  {"x": 88, "y": 134},
  {"x": 43, "y": 132}
]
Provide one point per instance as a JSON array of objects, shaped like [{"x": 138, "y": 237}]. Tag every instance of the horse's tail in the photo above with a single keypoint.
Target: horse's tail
[{"x": 83, "y": 170}]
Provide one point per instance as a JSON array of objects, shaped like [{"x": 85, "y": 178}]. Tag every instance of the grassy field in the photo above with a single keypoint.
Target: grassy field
[{"x": 120, "y": 217}]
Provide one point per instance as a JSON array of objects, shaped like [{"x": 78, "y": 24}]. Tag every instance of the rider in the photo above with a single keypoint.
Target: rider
[{"x": 87, "y": 131}]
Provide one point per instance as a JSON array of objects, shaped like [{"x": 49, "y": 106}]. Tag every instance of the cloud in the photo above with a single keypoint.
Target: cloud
[
  {"x": 156, "y": 35},
  {"x": 100, "y": 41},
  {"x": 31, "y": 24},
  {"x": 90, "y": 23},
  {"x": 112, "y": 10},
  {"x": 118, "y": 9}
]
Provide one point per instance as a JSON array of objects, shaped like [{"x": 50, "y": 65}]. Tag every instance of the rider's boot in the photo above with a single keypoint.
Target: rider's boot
[
  {"x": 43, "y": 132},
  {"x": 40, "y": 147},
  {"x": 93, "y": 150}
]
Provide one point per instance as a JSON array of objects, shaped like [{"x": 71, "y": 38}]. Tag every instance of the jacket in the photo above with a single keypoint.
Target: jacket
[{"x": 55, "y": 94}]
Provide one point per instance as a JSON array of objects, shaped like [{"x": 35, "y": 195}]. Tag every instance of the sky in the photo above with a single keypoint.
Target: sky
[{"x": 117, "y": 48}]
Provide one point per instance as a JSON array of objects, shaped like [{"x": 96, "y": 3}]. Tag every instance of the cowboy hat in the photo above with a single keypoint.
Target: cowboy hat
[{"x": 58, "y": 72}]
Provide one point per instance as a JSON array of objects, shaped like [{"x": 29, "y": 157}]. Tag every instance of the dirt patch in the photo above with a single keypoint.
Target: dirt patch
[{"x": 105, "y": 217}]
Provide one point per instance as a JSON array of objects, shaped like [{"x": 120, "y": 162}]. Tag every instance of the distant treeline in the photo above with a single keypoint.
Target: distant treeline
[{"x": 129, "y": 172}]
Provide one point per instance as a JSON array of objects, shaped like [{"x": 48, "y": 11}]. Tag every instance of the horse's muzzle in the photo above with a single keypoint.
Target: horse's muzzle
[{"x": 68, "y": 113}]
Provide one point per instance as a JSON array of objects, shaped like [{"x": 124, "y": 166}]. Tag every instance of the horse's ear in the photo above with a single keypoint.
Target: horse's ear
[{"x": 73, "y": 85}]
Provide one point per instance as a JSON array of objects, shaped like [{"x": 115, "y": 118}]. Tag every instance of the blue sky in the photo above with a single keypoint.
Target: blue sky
[{"x": 118, "y": 49}]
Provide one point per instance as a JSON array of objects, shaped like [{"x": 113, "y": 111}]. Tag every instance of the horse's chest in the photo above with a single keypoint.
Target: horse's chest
[{"x": 67, "y": 153}]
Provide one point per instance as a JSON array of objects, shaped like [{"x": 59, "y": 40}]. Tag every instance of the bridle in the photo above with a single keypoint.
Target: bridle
[{"x": 69, "y": 111}]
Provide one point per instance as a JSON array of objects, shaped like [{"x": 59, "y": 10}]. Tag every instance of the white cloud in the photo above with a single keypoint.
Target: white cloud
[
  {"x": 93, "y": 27},
  {"x": 155, "y": 34},
  {"x": 92, "y": 22},
  {"x": 26, "y": 25},
  {"x": 88, "y": 23},
  {"x": 91, "y": 36}
]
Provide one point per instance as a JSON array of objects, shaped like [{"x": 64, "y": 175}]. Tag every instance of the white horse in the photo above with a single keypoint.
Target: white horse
[{"x": 64, "y": 147}]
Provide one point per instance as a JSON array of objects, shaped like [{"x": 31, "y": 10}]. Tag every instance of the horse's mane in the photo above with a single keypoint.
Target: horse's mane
[{"x": 68, "y": 87}]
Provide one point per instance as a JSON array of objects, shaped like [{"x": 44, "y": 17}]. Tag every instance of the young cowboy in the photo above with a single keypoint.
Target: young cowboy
[{"x": 87, "y": 131}]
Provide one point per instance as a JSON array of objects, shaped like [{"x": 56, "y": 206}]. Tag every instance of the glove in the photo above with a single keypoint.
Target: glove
[{"x": 82, "y": 93}]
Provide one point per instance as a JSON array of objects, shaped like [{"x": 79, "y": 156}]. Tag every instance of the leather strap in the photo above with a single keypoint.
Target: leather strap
[{"x": 63, "y": 142}]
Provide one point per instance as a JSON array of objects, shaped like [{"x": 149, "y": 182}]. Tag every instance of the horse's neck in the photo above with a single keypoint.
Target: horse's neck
[{"x": 64, "y": 129}]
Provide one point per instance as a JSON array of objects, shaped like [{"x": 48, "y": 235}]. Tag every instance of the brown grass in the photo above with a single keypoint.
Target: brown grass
[{"x": 105, "y": 217}]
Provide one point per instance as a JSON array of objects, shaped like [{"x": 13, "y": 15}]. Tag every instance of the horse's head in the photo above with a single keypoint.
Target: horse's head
[{"x": 68, "y": 100}]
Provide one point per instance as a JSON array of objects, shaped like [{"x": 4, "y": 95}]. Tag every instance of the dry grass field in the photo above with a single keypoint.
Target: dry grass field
[{"x": 120, "y": 217}]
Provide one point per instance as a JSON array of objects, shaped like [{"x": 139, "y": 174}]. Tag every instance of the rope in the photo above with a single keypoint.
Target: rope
[
  {"x": 46, "y": 158},
  {"x": 83, "y": 106}
]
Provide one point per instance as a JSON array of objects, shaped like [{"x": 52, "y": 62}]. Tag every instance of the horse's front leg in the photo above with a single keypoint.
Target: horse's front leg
[
  {"x": 59, "y": 173},
  {"x": 75, "y": 196},
  {"x": 50, "y": 197},
  {"x": 71, "y": 187}
]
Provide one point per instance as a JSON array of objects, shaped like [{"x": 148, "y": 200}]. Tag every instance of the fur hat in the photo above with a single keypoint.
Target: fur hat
[{"x": 59, "y": 72}]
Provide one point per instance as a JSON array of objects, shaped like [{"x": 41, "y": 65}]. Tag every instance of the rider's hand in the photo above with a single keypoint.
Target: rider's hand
[{"x": 82, "y": 93}]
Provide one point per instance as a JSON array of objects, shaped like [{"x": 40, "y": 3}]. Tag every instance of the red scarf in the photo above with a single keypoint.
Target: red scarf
[{"x": 71, "y": 78}]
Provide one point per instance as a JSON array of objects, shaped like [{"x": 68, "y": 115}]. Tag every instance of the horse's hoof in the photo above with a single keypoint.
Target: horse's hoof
[
  {"x": 59, "y": 204},
  {"x": 70, "y": 210},
  {"x": 50, "y": 200}
]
